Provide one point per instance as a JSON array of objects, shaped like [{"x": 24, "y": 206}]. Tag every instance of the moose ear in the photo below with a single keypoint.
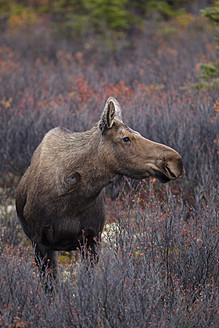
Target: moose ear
[{"x": 111, "y": 110}]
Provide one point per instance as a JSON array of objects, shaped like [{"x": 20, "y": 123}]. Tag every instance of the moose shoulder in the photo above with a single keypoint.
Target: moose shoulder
[{"x": 60, "y": 199}]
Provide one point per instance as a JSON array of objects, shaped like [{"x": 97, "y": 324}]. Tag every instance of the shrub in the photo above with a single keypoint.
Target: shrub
[
  {"x": 210, "y": 71},
  {"x": 159, "y": 268}
]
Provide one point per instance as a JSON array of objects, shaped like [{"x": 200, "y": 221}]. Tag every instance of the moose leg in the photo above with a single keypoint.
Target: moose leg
[{"x": 47, "y": 261}]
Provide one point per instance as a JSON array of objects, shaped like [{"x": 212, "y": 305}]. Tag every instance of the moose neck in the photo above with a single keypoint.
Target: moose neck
[{"x": 89, "y": 162}]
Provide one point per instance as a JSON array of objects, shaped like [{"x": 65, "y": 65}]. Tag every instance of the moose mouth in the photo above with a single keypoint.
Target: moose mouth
[{"x": 161, "y": 176}]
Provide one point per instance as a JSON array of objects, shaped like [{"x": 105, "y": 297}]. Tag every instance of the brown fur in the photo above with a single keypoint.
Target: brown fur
[{"x": 60, "y": 199}]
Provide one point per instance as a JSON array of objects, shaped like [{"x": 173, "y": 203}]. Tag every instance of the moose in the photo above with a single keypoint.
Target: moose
[{"x": 60, "y": 200}]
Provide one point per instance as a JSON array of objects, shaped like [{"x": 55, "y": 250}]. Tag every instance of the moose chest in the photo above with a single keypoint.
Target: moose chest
[{"x": 69, "y": 221}]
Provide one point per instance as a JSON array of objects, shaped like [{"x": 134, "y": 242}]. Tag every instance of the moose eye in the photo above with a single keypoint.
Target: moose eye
[{"x": 126, "y": 139}]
